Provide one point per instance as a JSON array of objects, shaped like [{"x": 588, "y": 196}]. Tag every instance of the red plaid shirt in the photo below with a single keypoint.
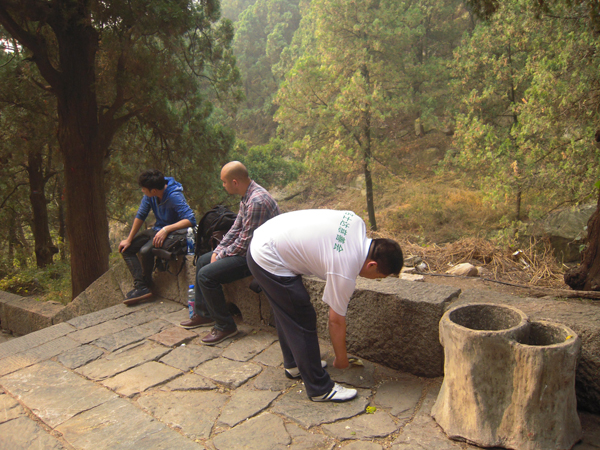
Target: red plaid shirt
[{"x": 257, "y": 206}]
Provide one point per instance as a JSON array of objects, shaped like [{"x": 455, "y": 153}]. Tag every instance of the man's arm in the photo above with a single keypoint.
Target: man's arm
[
  {"x": 137, "y": 224},
  {"x": 337, "y": 333},
  {"x": 161, "y": 235}
]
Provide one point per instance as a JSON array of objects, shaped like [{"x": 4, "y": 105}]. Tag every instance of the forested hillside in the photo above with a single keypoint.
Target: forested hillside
[{"x": 434, "y": 120}]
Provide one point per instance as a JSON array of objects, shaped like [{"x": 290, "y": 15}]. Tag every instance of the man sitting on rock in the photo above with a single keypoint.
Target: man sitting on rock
[
  {"x": 227, "y": 263},
  {"x": 333, "y": 246},
  {"x": 164, "y": 196}
]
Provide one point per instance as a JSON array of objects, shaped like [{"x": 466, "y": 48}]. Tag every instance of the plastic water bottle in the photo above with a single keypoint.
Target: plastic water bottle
[
  {"x": 190, "y": 240},
  {"x": 191, "y": 300}
]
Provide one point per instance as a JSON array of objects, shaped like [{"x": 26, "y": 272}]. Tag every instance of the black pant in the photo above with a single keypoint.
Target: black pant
[
  {"x": 296, "y": 322},
  {"x": 141, "y": 272}
]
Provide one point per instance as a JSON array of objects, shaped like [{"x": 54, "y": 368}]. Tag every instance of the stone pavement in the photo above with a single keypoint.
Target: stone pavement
[{"x": 130, "y": 378}]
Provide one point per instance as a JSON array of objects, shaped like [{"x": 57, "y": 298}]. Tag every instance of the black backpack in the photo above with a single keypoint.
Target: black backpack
[{"x": 212, "y": 227}]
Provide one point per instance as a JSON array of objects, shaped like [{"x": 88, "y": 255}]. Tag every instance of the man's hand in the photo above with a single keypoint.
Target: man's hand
[
  {"x": 159, "y": 238},
  {"x": 124, "y": 244},
  {"x": 341, "y": 362},
  {"x": 213, "y": 257}
]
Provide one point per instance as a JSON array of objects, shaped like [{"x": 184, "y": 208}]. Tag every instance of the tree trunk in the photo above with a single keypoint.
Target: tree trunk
[
  {"x": 78, "y": 137},
  {"x": 62, "y": 228},
  {"x": 367, "y": 151},
  {"x": 586, "y": 277},
  {"x": 44, "y": 248},
  {"x": 70, "y": 71}
]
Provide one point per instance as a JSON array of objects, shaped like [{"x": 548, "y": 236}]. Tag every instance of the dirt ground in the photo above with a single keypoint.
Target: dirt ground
[{"x": 483, "y": 284}]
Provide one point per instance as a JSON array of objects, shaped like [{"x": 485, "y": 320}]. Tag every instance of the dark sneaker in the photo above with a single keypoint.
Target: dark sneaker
[
  {"x": 196, "y": 321},
  {"x": 337, "y": 394},
  {"x": 135, "y": 296},
  {"x": 216, "y": 336},
  {"x": 294, "y": 373}
]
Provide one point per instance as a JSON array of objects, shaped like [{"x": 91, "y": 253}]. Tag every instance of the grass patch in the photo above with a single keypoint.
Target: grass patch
[{"x": 52, "y": 283}]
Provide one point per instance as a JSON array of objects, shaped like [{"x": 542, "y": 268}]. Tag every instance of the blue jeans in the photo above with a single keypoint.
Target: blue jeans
[{"x": 210, "y": 299}]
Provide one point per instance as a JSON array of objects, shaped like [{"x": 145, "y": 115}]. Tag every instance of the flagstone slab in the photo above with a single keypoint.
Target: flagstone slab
[
  {"x": 119, "y": 425},
  {"x": 355, "y": 376},
  {"x": 128, "y": 336},
  {"x": 115, "y": 364},
  {"x": 18, "y": 361},
  {"x": 163, "y": 307},
  {"x": 400, "y": 396},
  {"x": 54, "y": 393},
  {"x": 230, "y": 373},
  {"x": 94, "y": 332},
  {"x": 296, "y": 406},
  {"x": 189, "y": 382},
  {"x": 79, "y": 356},
  {"x": 12, "y": 363},
  {"x": 250, "y": 346},
  {"x": 259, "y": 433},
  {"x": 140, "y": 378},
  {"x": 9, "y": 408},
  {"x": 271, "y": 356},
  {"x": 140, "y": 317},
  {"x": 246, "y": 403},
  {"x": 34, "y": 339},
  {"x": 365, "y": 426},
  {"x": 362, "y": 445},
  {"x": 423, "y": 432},
  {"x": 173, "y": 336},
  {"x": 187, "y": 357},
  {"x": 98, "y": 317},
  {"x": 53, "y": 348},
  {"x": 273, "y": 379},
  {"x": 23, "y": 433},
  {"x": 303, "y": 440},
  {"x": 194, "y": 412},
  {"x": 177, "y": 317}
]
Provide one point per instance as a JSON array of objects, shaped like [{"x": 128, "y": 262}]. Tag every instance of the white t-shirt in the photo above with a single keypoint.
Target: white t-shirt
[{"x": 331, "y": 245}]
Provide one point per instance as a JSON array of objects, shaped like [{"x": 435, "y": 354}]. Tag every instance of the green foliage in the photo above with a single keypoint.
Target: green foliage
[
  {"x": 51, "y": 283},
  {"x": 263, "y": 30},
  {"x": 267, "y": 165},
  {"x": 354, "y": 67},
  {"x": 528, "y": 106}
]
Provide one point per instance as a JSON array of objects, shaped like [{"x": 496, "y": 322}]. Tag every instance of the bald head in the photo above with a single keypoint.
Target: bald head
[{"x": 234, "y": 176}]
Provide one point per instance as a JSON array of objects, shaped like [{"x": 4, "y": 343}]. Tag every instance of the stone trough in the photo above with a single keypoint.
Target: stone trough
[{"x": 507, "y": 382}]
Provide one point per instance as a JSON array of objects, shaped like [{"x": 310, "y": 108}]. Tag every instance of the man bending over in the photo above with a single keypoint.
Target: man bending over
[{"x": 333, "y": 246}]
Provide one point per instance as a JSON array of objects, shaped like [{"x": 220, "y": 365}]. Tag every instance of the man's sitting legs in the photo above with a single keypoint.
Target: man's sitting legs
[
  {"x": 141, "y": 272},
  {"x": 210, "y": 304}
]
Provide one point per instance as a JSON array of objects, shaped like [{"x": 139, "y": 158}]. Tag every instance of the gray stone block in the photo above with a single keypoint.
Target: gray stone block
[
  {"x": 23, "y": 315},
  {"x": 392, "y": 322},
  {"x": 255, "y": 308}
]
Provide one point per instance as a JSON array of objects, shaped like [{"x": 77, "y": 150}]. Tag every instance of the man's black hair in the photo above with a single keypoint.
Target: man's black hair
[
  {"x": 388, "y": 256},
  {"x": 152, "y": 179}
]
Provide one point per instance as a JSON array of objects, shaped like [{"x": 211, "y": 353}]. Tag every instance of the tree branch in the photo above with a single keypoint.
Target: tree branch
[{"x": 40, "y": 11}]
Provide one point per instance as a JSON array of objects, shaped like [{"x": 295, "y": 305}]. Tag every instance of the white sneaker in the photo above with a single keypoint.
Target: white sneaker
[
  {"x": 294, "y": 373},
  {"x": 337, "y": 394}
]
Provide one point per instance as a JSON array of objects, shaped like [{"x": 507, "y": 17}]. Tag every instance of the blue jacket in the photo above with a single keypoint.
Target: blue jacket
[{"x": 170, "y": 210}]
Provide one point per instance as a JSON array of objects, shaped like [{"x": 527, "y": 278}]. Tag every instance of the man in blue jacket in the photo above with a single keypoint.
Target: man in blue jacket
[{"x": 164, "y": 196}]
